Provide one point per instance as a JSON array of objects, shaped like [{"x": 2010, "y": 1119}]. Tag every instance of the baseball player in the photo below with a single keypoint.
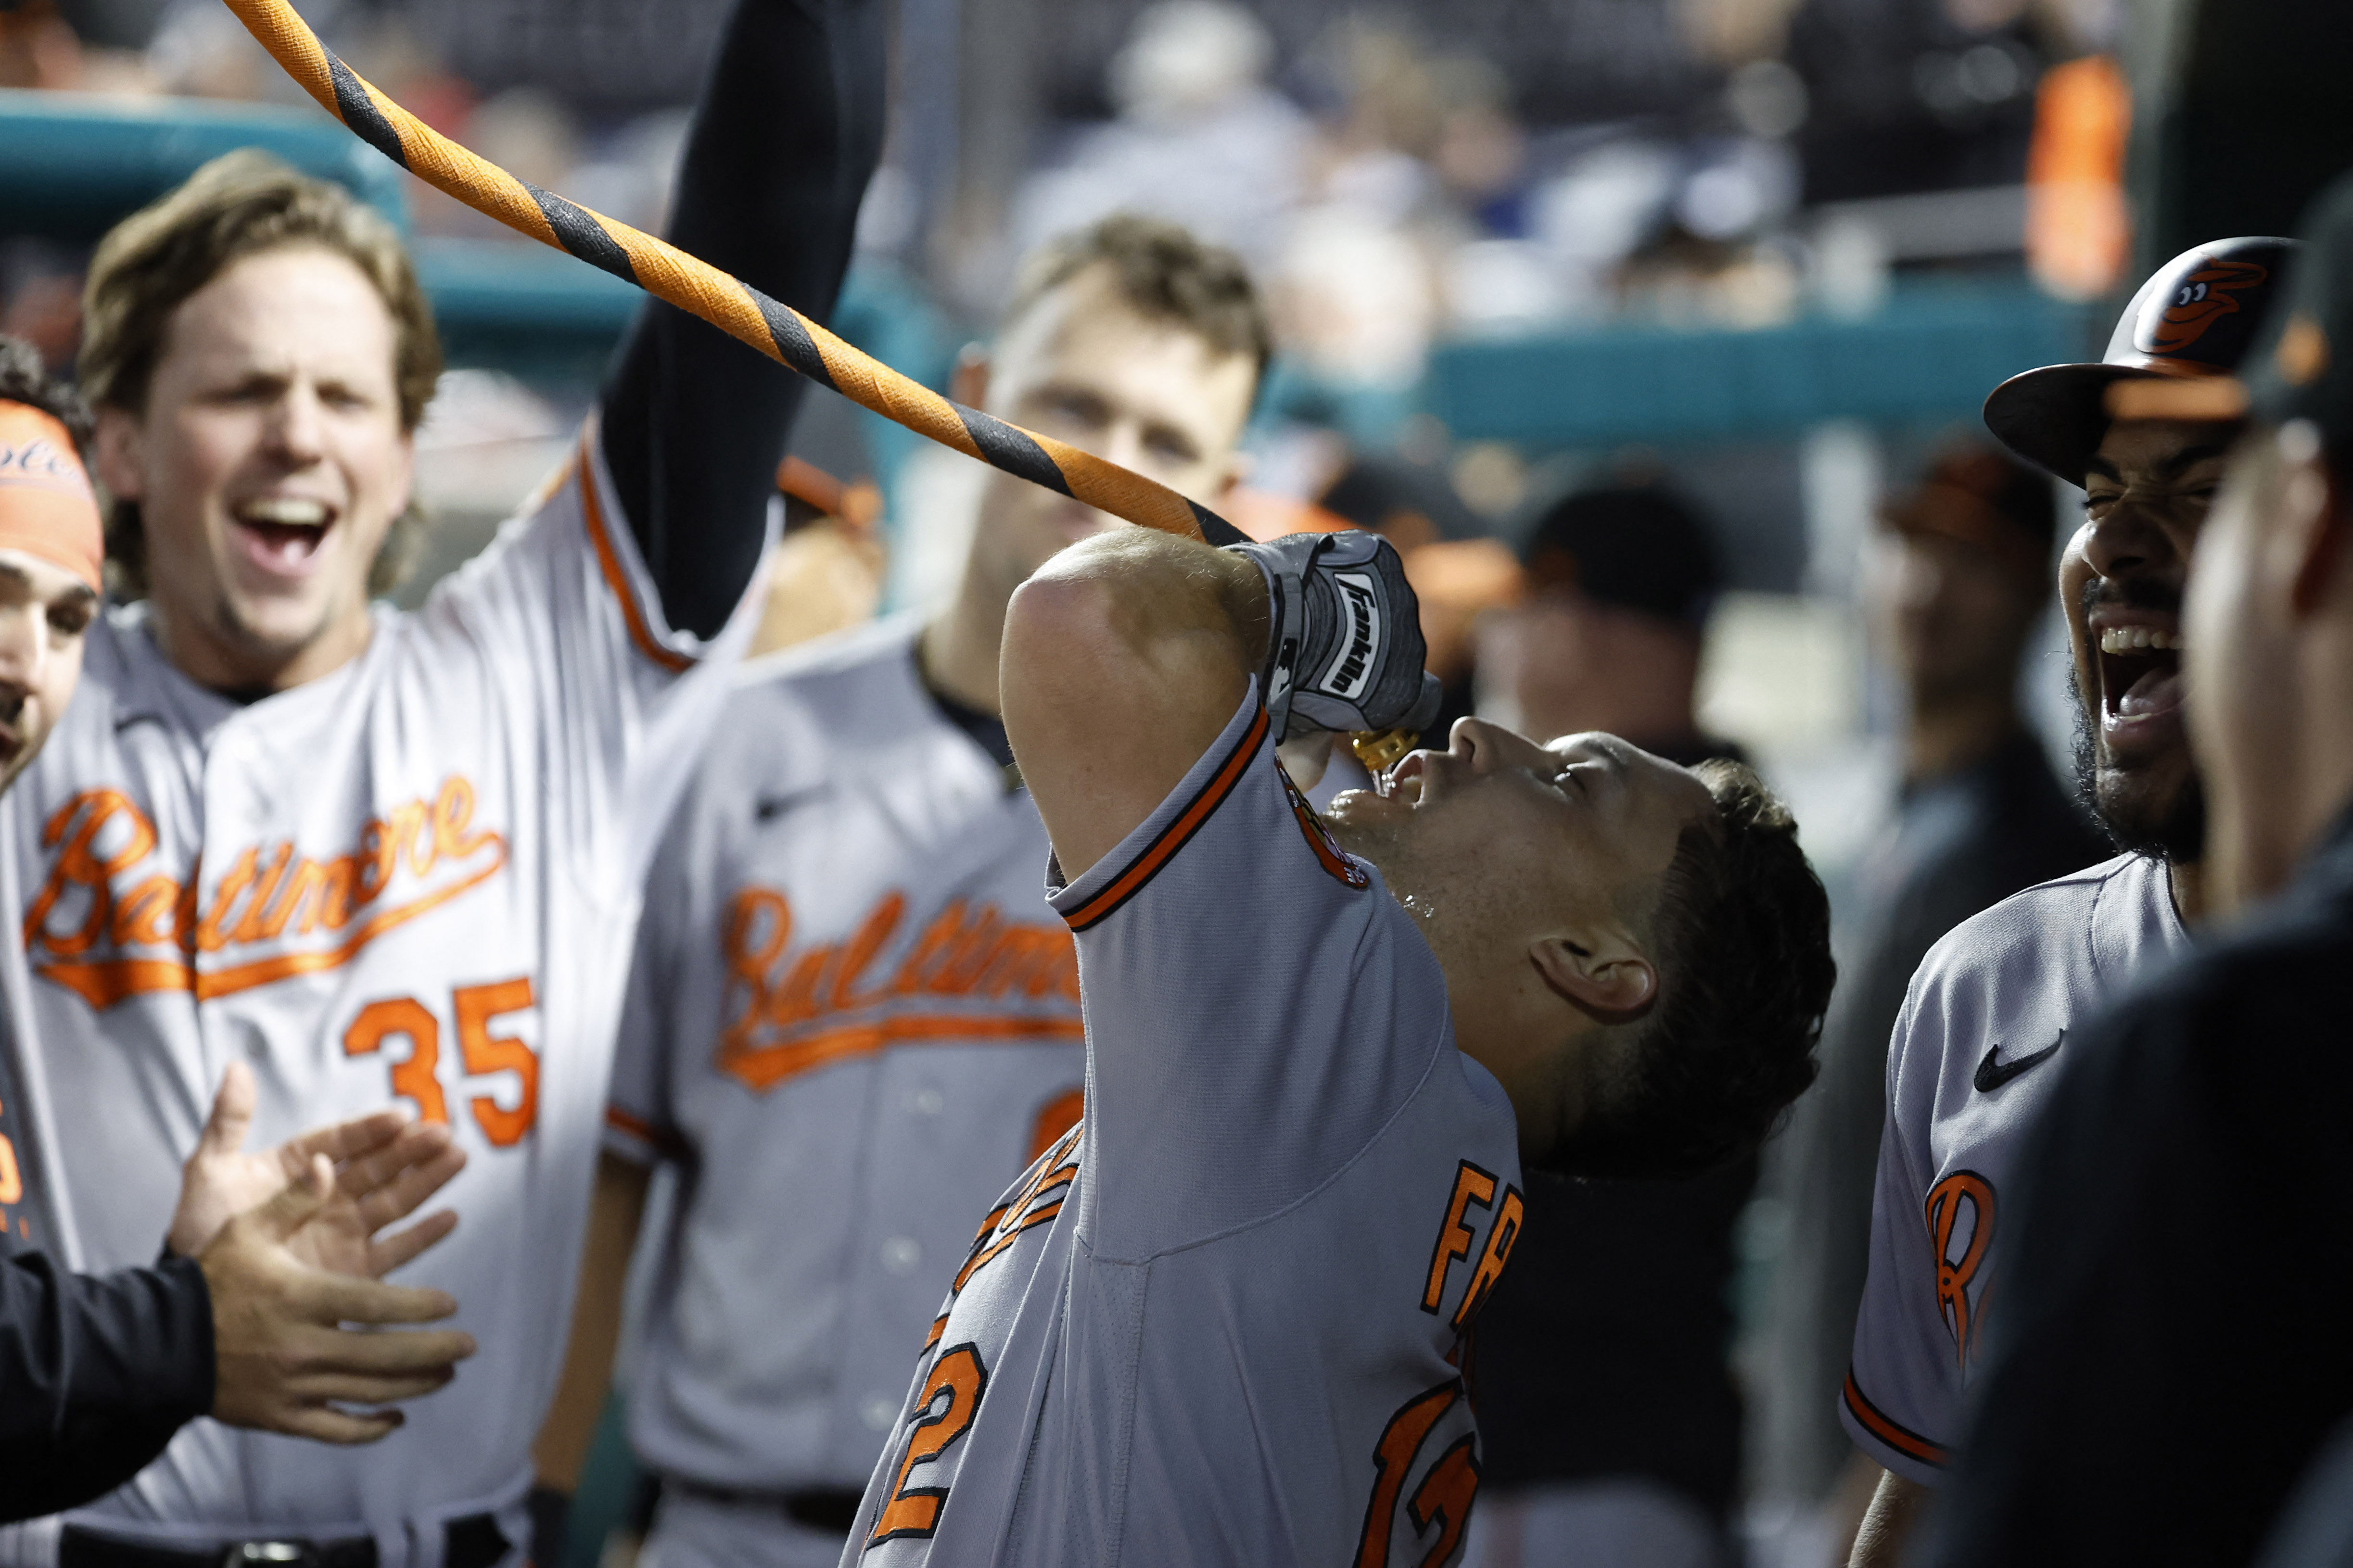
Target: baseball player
[
  {"x": 1223, "y": 1320},
  {"x": 241, "y": 1317},
  {"x": 383, "y": 856},
  {"x": 849, "y": 985},
  {"x": 1994, "y": 1000}
]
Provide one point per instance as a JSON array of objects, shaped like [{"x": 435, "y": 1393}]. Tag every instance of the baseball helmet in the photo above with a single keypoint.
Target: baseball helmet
[{"x": 2196, "y": 316}]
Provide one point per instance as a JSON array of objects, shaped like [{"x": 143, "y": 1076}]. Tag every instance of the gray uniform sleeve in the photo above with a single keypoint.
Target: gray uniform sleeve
[
  {"x": 1902, "y": 1401},
  {"x": 1257, "y": 1007}
]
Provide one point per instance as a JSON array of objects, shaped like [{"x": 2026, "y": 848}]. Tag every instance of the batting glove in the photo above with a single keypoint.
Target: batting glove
[{"x": 1347, "y": 649}]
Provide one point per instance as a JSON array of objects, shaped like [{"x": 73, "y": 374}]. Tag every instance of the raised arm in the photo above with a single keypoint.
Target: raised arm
[
  {"x": 788, "y": 131},
  {"x": 1124, "y": 656},
  {"x": 1123, "y": 660}
]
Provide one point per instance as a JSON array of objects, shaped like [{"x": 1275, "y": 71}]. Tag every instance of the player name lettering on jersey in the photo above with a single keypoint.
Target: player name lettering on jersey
[
  {"x": 794, "y": 1010},
  {"x": 109, "y": 922}
]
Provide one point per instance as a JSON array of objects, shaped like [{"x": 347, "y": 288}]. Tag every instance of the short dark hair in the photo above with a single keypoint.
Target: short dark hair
[
  {"x": 241, "y": 204},
  {"x": 24, "y": 379},
  {"x": 1742, "y": 935},
  {"x": 1166, "y": 272}
]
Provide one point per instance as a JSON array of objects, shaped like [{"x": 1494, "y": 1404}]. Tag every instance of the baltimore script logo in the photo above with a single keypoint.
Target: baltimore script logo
[{"x": 109, "y": 922}]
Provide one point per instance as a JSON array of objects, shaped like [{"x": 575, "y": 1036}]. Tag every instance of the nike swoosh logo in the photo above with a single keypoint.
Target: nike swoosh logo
[
  {"x": 1991, "y": 1075},
  {"x": 769, "y": 807}
]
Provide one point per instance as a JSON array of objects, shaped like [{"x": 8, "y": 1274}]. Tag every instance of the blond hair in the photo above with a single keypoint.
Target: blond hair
[{"x": 239, "y": 204}]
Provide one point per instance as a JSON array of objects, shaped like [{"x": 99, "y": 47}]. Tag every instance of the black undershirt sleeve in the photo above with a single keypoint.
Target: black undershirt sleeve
[
  {"x": 695, "y": 422},
  {"x": 97, "y": 1373}
]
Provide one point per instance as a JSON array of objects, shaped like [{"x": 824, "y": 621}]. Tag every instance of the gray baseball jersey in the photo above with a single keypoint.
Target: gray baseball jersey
[
  {"x": 854, "y": 1018},
  {"x": 1967, "y": 1074},
  {"x": 1221, "y": 1321},
  {"x": 416, "y": 878}
]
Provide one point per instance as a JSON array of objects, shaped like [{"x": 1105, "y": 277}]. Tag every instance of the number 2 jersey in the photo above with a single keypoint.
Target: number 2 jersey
[
  {"x": 1222, "y": 1321},
  {"x": 413, "y": 880}
]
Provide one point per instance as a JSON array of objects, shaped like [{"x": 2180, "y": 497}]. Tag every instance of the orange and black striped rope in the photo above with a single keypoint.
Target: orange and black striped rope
[{"x": 777, "y": 330}]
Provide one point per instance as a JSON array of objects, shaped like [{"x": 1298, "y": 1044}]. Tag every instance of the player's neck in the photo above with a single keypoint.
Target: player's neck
[
  {"x": 959, "y": 648},
  {"x": 220, "y": 662},
  {"x": 2188, "y": 880}
]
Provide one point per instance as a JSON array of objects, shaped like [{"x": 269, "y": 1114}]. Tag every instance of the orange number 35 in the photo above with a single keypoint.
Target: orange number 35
[{"x": 417, "y": 1078}]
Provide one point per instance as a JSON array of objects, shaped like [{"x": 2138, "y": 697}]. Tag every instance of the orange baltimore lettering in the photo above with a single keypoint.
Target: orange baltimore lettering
[
  {"x": 794, "y": 1011},
  {"x": 1501, "y": 1236},
  {"x": 1471, "y": 1185},
  {"x": 107, "y": 924}
]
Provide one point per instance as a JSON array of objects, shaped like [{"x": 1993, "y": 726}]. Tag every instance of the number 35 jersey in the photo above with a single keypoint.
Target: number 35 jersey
[
  {"x": 1222, "y": 1320},
  {"x": 414, "y": 879}
]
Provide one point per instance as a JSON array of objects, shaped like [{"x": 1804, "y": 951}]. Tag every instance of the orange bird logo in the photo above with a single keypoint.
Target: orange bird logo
[{"x": 2205, "y": 297}]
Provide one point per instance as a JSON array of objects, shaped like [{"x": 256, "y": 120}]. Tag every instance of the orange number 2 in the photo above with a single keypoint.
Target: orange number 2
[
  {"x": 417, "y": 1078},
  {"x": 959, "y": 1377}
]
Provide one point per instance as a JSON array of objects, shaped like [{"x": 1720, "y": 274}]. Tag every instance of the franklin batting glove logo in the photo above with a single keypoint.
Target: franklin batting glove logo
[{"x": 1352, "y": 671}]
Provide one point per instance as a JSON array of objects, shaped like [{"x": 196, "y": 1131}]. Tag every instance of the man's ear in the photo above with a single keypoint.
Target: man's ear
[
  {"x": 114, "y": 453},
  {"x": 1603, "y": 972},
  {"x": 968, "y": 383}
]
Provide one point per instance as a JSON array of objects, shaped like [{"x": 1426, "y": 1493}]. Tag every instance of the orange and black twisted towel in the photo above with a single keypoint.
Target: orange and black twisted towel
[{"x": 732, "y": 306}]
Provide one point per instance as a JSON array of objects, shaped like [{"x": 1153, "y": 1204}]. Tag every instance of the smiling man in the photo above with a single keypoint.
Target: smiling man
[
  {"x": 1993, "y": 1001},
  {"x": 2171, "y": 1352},
  {"x": 241, "y": 1317},
  {"x": 1223, "y": 1321},
  {"x": 386, "y": 857}
]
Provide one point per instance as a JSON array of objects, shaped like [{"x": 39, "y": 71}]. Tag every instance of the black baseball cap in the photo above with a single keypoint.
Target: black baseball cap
[
  {"x": 2196, "y": 318},
  {"x": 1638, "y": 546},
  {"x": 2302, "y": 367},
  {"x": 1982, "y": 496}
]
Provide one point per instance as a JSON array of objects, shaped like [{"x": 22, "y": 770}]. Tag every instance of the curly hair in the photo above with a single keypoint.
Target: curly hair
[
  {"x": 1742, "y": 930},
  {"x": 24, "y": 379},
  {"x": 241, "y": 204}
]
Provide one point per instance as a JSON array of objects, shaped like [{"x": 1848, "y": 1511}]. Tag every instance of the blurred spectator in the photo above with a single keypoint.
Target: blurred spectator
[
  {"x": 1957, "y": 582},
  {"x": 41, "y": 298},
  {"x": 1609, "y": 1423},
  {"x": 1619, "y": 582},
  {"x": 38, "y": 48},
  {"x": 1201, "y": 139},
  {"x": 1917, "y": 95}
]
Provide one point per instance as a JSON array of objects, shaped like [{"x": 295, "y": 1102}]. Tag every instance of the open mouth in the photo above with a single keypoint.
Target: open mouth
[
  {"x": 2140, "y": 673},
  {"x": 12, "y": 736},
  {"x": 283, "y": 533}
]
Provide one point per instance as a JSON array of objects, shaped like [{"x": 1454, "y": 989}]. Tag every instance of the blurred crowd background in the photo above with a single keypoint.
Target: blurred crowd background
[{"x": 1652, "y": 331}]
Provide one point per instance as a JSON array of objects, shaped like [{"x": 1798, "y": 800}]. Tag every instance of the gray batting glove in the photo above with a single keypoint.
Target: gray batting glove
[{"x": 1346, "y": 650}]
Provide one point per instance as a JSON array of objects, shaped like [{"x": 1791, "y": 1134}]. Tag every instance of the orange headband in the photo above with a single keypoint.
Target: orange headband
[{"x": 46, "y": 506}]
